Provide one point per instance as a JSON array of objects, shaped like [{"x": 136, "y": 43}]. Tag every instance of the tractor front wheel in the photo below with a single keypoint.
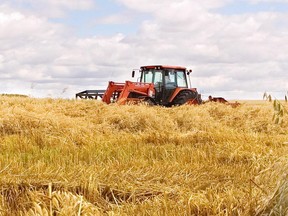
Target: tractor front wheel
[{"x": 185, "y": 96}]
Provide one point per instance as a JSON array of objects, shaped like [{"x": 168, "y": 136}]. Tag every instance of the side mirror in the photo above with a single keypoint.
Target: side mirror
[
  {"x": 133, "y": 74},
  {"x": 188, "y": 72}
]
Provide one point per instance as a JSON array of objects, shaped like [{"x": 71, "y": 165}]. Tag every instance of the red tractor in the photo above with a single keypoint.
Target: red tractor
[{"x": 158, "y": 85}]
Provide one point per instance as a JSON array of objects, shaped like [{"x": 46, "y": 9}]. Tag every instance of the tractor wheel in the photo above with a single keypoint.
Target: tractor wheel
[
  {"x": 184, "y": 96},
  {"x": 149, "y": 101},
  {"x": 143, "y": 99}
]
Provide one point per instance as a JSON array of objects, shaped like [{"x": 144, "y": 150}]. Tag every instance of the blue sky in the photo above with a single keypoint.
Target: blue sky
[
  {"x": 84, "y": 22},
  {"x": 237, "y": 49},
  {"x": 88, "y": 22}
]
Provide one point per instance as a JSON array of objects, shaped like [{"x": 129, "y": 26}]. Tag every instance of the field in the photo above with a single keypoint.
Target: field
[{"x": 67, "y": 157}]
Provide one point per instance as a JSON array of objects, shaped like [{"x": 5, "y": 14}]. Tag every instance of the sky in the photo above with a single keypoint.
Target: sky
[{"x": 237, "y": 49}]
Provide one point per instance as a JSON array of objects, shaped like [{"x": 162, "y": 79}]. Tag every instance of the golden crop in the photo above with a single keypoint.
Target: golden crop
[{"x": 67, "y": 157}]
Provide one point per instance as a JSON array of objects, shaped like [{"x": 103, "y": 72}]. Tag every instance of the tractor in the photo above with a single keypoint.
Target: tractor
[{"x": 157, "y": 85}]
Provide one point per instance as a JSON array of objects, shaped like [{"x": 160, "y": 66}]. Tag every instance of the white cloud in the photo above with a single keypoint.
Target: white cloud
[
  {"x": 228, "y": 54},
  {"x": 38, "y": 51},
  {"x": 250, "y": 48},
  {"x": 271, "y": 1},
  {"x": 51, "y": 8},
  {"x": 68, "y": 4},
  {"x": 115, "y": 19},
  {"x": 166, "y": 5}
]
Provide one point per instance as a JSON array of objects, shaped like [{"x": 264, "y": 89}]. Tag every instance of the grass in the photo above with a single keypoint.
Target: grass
[{"x": 67, "y": 157}]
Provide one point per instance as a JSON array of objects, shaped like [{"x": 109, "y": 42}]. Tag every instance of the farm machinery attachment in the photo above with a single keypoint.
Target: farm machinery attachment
[{"x": 158, "y": 85}]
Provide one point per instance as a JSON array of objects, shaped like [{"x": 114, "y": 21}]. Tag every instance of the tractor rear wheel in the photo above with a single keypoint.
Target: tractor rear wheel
[{"x": 184, "y": 96}]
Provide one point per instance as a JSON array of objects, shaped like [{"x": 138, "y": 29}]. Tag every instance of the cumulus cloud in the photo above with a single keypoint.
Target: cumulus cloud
[
  {"x": 161, "y": 6},
  {"x": 272, "y": 1},
  {"x": 39, "y": 52},
  {"x": 51, "y": 8},
  {"x": 232, "y": 54},
  {"x": 250, "y": 47},
  {"x": 120, "y": 18}
]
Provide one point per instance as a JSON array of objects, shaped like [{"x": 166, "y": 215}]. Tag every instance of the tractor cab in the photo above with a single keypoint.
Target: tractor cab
[{"x": 166, "y": 79}]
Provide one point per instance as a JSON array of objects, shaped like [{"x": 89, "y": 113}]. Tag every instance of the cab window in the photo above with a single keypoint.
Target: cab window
[
  {"x": 171, "y": 77},
  {"x": 181, "y": 79},
  {"x": 148, "y": 76},
  {"x": 153, "y": 76},
  {"x": 158, "y": 77}
]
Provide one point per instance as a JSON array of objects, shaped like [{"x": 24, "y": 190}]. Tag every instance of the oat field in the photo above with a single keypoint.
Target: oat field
[{"x": 68, "y": 157}]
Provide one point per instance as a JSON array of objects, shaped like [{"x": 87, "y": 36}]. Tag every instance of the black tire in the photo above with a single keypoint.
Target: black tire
[
  {"x": 149, "y": 101},
  {"x": 144, "y": 99},
  {"x": 184, "y": 96}
]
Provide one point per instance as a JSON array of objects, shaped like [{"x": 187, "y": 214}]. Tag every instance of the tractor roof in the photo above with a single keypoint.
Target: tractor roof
[{"x": 163, "y": 67}]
